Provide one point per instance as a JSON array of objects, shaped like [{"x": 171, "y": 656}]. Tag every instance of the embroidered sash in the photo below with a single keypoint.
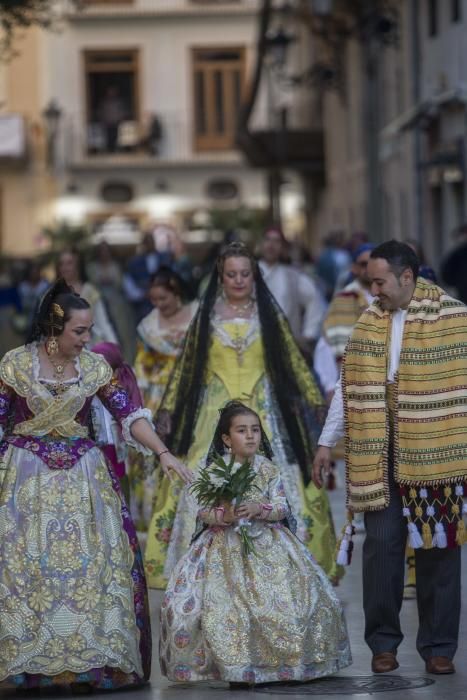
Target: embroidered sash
[{"x": 430, "y": 411}]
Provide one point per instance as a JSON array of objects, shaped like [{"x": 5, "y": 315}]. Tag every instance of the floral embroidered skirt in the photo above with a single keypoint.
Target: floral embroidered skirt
[
  {"x": 266, "y": 617},
  {"x": 73, "y": 599},
  {"x": 173, "y": 522}
]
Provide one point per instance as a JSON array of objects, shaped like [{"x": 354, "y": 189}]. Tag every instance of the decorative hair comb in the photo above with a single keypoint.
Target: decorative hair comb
[{"x": 57, "y": 310}]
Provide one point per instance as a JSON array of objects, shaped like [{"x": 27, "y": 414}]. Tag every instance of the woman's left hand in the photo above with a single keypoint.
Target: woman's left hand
[
  {"x": 170, "y": 463},
  {"x": 248, "y": 510}
]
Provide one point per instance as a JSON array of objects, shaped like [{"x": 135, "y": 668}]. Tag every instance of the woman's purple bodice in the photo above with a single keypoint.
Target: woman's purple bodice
[{"x": 56, "y": 451}]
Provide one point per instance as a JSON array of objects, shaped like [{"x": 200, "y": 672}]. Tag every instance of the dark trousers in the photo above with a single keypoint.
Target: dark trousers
[{"x": 438, "y": 586}]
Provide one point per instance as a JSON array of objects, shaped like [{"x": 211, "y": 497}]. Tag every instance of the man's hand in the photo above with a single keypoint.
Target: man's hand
[{"x": 321, "y": 465}]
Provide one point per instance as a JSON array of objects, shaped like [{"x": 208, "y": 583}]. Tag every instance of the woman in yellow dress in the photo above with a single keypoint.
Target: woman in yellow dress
[
  {"x": 160, "y": 339},
  {"x": 240, "y": 346}
]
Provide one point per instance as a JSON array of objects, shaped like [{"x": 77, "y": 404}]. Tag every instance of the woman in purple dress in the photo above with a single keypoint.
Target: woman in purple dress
[{"x": 73, "y": 599}]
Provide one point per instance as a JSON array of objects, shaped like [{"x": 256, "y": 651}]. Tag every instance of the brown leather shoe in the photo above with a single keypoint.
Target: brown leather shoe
[
  {"x": 439, "y": 665},
  {"x": 383, "y": 663}
]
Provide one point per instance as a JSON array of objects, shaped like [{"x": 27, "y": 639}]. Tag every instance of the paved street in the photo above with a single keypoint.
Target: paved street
[{"x": 411, "y": 666}]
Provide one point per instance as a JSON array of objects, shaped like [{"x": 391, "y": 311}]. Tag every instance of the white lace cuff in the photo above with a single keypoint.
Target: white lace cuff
[{"x": 126, "y": 425}]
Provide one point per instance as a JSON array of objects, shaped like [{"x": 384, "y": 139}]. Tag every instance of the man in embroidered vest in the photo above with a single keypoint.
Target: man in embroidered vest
[
  {"x": 344, "y": 311},
  {"x": 402, "y": 404}
]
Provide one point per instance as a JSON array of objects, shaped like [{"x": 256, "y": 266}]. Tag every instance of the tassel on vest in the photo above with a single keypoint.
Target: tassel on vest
[
  {"x": 415, "y": 540},
  {"x": 427, "y": 536},
  {"x": 439, "y": 538},
  {"x": 345, "y": 544},
  {"x": 435, "y": 515},
  {"x": 461, "y": 534}
]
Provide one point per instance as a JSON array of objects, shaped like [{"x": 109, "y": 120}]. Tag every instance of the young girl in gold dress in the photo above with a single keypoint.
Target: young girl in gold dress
[{"x": 271, "y": 615}]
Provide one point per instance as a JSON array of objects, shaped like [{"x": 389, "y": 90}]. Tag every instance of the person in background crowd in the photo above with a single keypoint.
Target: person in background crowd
[
  {"x": 357, "y": 238},
  {"x": 31, "y": 290},
  {"x": 160, "y": 339},
  {"x": 181, "y": 263},
  {"x": 343, "y": 313},
  {"x": 138, "y": 274},
  {"x": 297, "y": 294},
  {"x": 70, "y": 267},
  {"x": 105, "y": 273},
  {"x": 401, "y": 405},
  {"x": 10, "y": 308},
  {"x": 425, "y": 271},
  {"x": 333, "y": 262},
  {"x": 454, "y": 265}
]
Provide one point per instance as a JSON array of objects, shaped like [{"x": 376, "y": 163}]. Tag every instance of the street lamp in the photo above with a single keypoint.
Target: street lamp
[
  {"x": 277, "y": 43},
  {"x": 52, "y": 115}
]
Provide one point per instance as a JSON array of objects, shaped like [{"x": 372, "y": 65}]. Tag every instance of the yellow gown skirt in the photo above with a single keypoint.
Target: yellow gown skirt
[
  {"x": 172, "y": 526},
  {"x": 152, "y": 370}
]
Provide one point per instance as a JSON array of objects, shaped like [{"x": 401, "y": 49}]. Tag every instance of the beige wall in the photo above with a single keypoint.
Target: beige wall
[
  {"x": 343, "y": 203},
  {"x": 26, "y": 188}
]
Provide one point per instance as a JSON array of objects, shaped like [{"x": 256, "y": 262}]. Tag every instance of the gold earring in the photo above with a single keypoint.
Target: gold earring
[{"x": 51, "y": 346}]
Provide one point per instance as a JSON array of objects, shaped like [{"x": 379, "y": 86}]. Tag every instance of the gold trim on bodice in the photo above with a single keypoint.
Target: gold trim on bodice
[{"x": 53, "y": 413}]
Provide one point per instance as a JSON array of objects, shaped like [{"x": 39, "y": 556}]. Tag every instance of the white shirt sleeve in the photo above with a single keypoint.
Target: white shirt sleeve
[
  {"x": 334, "y": 427},
  {"x": 325, "y": 365},
  {"x": 313, "y": 306},
  {"x": 131, "y": 289},
  {"x": 102, "y": 327}
]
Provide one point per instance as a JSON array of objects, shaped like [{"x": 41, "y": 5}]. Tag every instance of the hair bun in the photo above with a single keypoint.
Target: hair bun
[{"x": 49, "y": 315}]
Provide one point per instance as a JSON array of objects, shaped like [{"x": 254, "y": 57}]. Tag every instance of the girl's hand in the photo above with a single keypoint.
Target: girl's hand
[
  {"x": 170, "y": 463},
  {"x": 248, "y": 510},
  {"x": 229, "y": 513}
]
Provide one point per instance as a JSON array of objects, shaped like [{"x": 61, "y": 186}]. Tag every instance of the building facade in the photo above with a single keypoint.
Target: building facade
[
  {"x": 395, "y": 134},
  {"x": 146, "y": 95}
]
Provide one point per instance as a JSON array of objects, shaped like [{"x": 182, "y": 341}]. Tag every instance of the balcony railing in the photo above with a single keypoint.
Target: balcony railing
[
  {"x": 117, "y": 8},
  {"x": 168, "y": 140}
]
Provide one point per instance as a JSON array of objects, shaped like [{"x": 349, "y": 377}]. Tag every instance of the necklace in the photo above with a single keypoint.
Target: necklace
[
  {"x": 58, "y": 371},
  {"x": 238, "y": 308}
]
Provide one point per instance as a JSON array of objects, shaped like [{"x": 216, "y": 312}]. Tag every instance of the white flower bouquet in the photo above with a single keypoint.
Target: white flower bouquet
[{"x": 220, "y": 483}]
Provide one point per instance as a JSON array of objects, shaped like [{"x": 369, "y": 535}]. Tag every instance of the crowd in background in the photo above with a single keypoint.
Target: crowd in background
[{"x": 117, "y": 283}]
